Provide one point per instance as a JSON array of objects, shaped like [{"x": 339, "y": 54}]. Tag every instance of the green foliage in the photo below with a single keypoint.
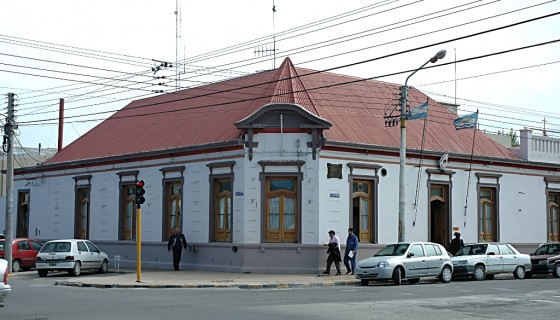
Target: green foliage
[{"x": 514, "y": 138}]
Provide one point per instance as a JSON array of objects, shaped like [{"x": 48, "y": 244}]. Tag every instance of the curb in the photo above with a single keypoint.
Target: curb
[
  {"x": 32, "y": 273},
  {"x": 296, "y": 285}
]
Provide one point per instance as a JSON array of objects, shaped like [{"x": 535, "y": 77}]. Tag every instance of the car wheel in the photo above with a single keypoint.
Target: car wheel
[
  {"x": 519, "y": 272},
  {"x": 364, "y": 282},
  {"x": 42, "y": 273},
  {"x": 446, "y": 274},
  {"x": 479, "y": 273},
  {"x": 104, "y": 267},
  {"x": 397, "y": 276},
  {"x": 556, "y": 272},
  {"x": 414, "y": 281},
  {"x": 16, "y": 266},
  {"x": 77, "y": 269}
]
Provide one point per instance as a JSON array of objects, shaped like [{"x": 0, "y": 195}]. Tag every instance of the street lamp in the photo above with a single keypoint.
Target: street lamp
[{"x": 402, "y": 161}]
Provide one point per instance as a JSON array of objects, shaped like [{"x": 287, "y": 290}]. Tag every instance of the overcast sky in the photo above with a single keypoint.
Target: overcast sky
[{"x": 97, "y": 55}]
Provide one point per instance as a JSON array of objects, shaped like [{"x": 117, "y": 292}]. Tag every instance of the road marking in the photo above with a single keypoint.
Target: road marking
[{"x": 542, "y": 301}]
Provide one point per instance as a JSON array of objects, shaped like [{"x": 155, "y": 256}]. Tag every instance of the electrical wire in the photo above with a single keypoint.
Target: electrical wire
[
  {"x": 293, "y": 92},
  {"x": 183, "y": 79}
]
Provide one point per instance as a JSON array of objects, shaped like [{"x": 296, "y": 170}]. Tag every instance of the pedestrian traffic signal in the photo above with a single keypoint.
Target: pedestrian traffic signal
[{"x": 140, "y": 192}]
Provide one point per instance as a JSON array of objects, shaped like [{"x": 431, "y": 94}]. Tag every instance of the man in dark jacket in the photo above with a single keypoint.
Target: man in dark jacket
[
  {"x": 350, "y": 251},
  {"x": 177, "y": 242},
  {"x": 456, "y": 244}
]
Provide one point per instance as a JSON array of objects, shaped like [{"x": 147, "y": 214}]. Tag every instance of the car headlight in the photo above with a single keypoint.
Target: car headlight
[{"x": 383, "y": 264}]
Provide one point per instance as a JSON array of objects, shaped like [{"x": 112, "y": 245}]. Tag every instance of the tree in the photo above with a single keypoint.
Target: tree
[{"x": 514, "y": 139}]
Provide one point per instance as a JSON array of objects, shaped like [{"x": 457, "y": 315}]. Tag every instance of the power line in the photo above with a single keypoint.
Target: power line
[
  {"x": 414, "y": 18},
  {"x": 297, "y": 91},
  {"x": 422, "y": 34},
  {"x": 65, "y": 79},
  {"x": 73, "y": 52}
]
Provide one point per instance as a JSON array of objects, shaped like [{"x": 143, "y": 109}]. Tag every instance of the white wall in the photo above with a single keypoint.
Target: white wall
[
  {"x": 272, "y": 148},
  {"x": 52, "y": 199},
  {"x": 522, "y": 199},
  {"x": 522, "y": 203}
]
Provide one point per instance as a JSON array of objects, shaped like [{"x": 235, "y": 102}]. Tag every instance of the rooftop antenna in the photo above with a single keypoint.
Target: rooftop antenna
[
  {"x": 273, "y": 35},
  {"x": 264, "y": 51},
  {"x": 177, "y": 41}
]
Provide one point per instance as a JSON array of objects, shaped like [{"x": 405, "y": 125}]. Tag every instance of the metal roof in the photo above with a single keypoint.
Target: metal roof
[{"x": 206, "y": 115}]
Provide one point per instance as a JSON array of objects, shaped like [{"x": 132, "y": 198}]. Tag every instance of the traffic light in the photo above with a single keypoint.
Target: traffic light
[{"x": 140, "y": 192}]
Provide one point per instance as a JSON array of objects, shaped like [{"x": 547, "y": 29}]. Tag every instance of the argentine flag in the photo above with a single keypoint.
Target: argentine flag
[
  {"x": 420, "y": 112},
  {"x": 466, "y": 121}
]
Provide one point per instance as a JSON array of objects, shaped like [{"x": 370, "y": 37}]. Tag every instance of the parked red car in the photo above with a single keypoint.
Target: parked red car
[{"x": 24, "y": 253}]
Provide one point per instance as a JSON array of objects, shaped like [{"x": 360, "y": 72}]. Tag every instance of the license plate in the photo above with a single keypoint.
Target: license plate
[
  {"x": 52, "y": 264},
  {"x": 542, "y": 262}
]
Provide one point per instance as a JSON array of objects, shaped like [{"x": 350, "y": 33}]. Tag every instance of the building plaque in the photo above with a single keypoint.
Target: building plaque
[{"x": 334, "y": 171}]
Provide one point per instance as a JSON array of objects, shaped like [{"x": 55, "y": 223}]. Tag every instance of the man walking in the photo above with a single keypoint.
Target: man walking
[
  {"x": 177, "y": 242},
  {"x": 334, "y": 253},
  {"x": 350, "y": 251}
]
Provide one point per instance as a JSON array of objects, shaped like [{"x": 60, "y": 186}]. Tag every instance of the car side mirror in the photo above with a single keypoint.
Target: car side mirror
[
  {"x": 410, "y": 254},
  {"x": 491, "y": 253}
]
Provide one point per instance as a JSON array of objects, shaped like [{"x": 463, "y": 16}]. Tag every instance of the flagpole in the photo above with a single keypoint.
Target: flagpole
[
  {"x": 418, "y": 178},
  {"x": 455, "y": 102},
  {"x": 470, "y": 171}
]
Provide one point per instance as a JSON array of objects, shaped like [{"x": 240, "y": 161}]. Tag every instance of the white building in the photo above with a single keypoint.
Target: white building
[{"x": 257, "y": 169}]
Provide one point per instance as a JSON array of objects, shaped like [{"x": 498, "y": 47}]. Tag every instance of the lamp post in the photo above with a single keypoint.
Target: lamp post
[{"x": 402, "y": 160}]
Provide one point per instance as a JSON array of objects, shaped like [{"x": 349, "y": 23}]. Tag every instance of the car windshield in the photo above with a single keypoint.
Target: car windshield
[
  {"x": 548, "y": 249},
  {"x": 56, "y": 247},
  {"x": 472, "y": 249},
  {"x": 398, "y": 249}
]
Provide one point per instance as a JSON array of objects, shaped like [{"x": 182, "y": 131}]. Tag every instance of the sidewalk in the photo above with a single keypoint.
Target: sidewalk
[{"x": 204, "y": 279}]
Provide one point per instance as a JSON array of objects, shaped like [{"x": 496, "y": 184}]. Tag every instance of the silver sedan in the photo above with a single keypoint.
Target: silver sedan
[
  {"x": 410, "y": 261},
  {"x": 484, "y": 260}
]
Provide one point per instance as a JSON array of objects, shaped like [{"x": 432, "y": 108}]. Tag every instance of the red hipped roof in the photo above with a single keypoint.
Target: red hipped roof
[{"x": 206, "y": 115}]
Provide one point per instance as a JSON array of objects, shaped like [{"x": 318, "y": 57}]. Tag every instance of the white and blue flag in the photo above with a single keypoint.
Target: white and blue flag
[
  {"x": 466, "y": 121},
  {"x": 419, "y": 112}
]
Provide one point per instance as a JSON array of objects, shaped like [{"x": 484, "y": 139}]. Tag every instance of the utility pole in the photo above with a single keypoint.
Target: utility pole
[
  {"x": 402, "y": 149},
  {"x": 7, "y": 145}
]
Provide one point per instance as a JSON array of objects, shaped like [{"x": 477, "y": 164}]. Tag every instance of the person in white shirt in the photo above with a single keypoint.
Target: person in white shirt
[{"x": 334, "y": 253}]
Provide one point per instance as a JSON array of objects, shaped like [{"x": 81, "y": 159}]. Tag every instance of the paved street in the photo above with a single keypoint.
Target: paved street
[{"x": 36, "y": 298}]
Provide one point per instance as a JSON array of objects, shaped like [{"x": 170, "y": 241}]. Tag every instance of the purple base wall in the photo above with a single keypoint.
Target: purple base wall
[{"x": 253, "y": 258}]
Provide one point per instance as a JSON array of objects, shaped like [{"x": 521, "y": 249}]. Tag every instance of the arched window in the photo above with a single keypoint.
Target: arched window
[
  {"x": 487, "y": 215},
  {"x": 173, "y": 207},
  {"x": 222, "y": 209},
  {"x": 128, "y": 212},
  {"x": 362, "y": 209},
  {"x": 281, "y": 209},
  {"x": 82, "y": 213}
]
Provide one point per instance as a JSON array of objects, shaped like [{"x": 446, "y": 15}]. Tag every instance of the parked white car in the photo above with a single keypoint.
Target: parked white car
[
  {"x": 5, "y": 288},
  {"x": 484, "y": 260},
  {"x": 72, "y": 255},
  {"x": 410, "y": 261}
]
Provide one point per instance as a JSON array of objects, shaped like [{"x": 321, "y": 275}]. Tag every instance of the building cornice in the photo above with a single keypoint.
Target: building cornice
[
  {"x": 464, "y": 158},
  {"x": 143, "y": 156}
]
